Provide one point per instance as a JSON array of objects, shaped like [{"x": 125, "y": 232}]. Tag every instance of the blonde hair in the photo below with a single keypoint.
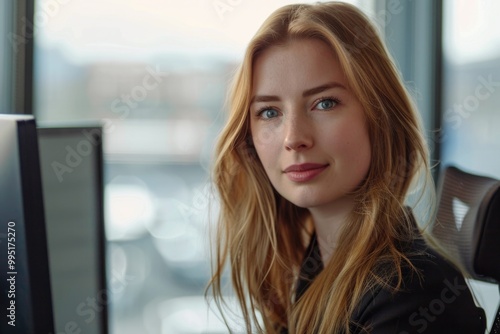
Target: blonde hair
[{"x": 262, "y": 236}]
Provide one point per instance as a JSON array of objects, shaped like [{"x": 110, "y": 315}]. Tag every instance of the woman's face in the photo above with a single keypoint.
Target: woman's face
[{"x": 308, "y": 128}]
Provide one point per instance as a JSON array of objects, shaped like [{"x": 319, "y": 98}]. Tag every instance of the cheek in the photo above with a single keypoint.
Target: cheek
[
  {"x": 360, "y": 149},
  {"x": 264, "y": 135},
  {"x": 267, "y": 153},
  {"x": 351, "y": 142},
  {"x": 266, "y": 139}
]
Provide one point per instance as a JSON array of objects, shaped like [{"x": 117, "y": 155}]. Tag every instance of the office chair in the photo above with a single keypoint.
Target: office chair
[{"x": 468, "y": 225}]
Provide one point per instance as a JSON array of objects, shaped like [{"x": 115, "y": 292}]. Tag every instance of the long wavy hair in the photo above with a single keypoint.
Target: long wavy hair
[{"x": 262, "y": 237}]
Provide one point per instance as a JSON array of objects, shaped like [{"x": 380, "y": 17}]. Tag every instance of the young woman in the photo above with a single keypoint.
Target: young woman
[{"x": 313, "y": 168}]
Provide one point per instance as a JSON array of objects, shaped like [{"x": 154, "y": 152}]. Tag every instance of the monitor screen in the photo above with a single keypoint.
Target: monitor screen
[
  {"x": 71, "y": 165},
  {"x": 25, "y": 302}
]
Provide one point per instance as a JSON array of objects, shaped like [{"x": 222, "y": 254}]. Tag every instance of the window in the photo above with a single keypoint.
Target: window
[
  {"x": 471, "y": 101},
  {"x": 16, "y": 57},
  {"x": 5, "y": 57}
]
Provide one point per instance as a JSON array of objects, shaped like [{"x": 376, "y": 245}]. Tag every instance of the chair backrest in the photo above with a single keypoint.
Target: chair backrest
[{"x": 468, "y": 222}]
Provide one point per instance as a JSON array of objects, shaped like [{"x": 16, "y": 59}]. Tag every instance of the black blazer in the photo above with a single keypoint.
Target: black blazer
[{"x": 436, "y": 302}]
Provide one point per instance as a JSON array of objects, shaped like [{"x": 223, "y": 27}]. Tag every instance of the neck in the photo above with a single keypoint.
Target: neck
[{"x": 328, "y": 222}]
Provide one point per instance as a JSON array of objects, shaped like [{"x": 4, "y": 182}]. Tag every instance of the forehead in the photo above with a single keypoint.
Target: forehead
[{"x": 297, "y": 64}]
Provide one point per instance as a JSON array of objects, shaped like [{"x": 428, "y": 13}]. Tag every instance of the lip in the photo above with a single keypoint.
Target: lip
[{"x": 304, "y": 172}]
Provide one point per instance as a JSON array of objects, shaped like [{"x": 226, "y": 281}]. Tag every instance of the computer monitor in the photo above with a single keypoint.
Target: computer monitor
[
  {"x": 25, "y": 301},
  {"x": 72, "y": 178}
]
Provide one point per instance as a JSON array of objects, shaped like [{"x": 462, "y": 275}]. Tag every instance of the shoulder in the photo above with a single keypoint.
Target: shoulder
[{"x": 434, "y": 298}]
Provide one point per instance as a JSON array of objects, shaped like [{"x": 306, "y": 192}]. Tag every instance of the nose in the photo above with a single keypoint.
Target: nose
[{"x": 299, "y": 133}]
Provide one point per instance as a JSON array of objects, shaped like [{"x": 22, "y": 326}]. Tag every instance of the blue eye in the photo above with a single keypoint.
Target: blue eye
[
  {"x": 268, "y": 113},
  {"x": 326, "y": 104}
]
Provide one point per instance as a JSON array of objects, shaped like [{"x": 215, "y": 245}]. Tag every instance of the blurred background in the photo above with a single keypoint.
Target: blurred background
[{"x": 155, "y": 73}]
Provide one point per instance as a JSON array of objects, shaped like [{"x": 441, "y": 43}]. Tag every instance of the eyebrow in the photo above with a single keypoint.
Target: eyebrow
[
  {"x": 322, "y": 88},
  {"x": 306, "y": 93}
]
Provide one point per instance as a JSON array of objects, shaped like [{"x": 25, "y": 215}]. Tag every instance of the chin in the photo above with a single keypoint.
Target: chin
[{"x": 306, "y": 203}]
